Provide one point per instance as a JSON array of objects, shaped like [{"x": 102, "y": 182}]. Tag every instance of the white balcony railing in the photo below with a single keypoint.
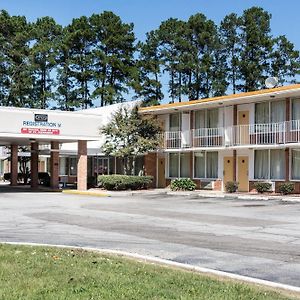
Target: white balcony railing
[
  {"x": 208, "y": 137},
  {"x": 239, "y": 135},
  {"x": 257, "y": 134}
]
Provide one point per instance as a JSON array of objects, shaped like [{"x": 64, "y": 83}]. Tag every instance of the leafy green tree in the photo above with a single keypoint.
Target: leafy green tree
[
  {"x": 43, "y": 54},
  {"x": 113, "y": 62},
  {"x": 148, "y": 85},
  {"x": 129, "y": 134}
]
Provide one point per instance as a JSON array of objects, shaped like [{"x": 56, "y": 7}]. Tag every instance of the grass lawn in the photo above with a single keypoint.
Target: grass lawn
[{"x": 51, "y": 273}]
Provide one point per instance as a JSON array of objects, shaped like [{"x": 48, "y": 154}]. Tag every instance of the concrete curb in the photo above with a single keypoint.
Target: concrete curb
[
  {"x": 170, "y": 263},
  {"x": 200, "y": 195}
]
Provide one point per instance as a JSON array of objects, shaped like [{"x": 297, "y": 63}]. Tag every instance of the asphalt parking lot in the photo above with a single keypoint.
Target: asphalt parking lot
[{"x": 248, "y": 237}]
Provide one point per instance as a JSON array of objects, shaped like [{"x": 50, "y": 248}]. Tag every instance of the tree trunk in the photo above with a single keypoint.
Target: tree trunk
[{"x": 133, "y": 165}]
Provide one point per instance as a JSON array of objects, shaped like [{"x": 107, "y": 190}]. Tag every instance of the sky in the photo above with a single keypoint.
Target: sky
[{"x": 148, "y": 14}]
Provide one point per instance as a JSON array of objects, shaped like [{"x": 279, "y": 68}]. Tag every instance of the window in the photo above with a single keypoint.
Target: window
[
  {"x": 262, "y": 113},
  {"x": 184, "y": 165},
  {"x": 206, "y": 165},
  {"x": 296, "y": 109},
  {"x": 278, "y": 111},
  {"x": 208, "y": 118},
  {"x": 174, "y": 165},
  {"x": 270, "y": 112},
  {"x": 269, "y": 164},
  {"x": 112, "y": 166},
  {"x": 277, "y": 164},
  {"x": 296, "y": 164},
  {"x": 212, "y": 117},
  {"x": 63, "y": 166},
  {"x": 261, "y": 164},
  {"x": 179, "y": 165},
  {"x": 200, "y": 119},
  {"x": 101, "y": 165},
  {"x": 212, "y": 165},
  {"x": 175, "y": 122},
  {"x": 73, "y": 166},
  {"x": 199, "y": 164}
]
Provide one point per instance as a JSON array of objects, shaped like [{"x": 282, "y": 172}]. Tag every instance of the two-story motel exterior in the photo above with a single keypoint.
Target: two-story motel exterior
[{"x": 247, "y": 137}]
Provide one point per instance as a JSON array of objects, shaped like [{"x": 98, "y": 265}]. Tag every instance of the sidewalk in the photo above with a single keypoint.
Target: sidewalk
[{"x": 196, "y": 193}]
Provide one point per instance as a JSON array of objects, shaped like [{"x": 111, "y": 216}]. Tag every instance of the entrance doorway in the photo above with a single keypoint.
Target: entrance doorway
[
  {"x": 243, "y": 132},
  {"x": 243, "y": 171},
  {"x": 161, "y": 180},
  {"x": 228, "y": 169}
]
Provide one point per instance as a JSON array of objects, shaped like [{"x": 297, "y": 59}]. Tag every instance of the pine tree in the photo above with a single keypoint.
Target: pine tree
[
  {"x": 43, "y": 56},
  {"x": 66, "y": 95},
  {"x": 285, "y": 61},
  {"x": 113, "y": 62},
  {"x": 15, "y": 73},
  {"x": 257, "y": 45},
  {"x": 80, "y": 38},
  {"x": 231, "y": 43},
  {"x": 208, "y": 62},
  {"x": 148, "y": 85},
  {"x": 173, "y": 44}
]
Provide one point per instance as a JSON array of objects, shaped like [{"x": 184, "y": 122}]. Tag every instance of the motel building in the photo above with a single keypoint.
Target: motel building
[
  {"x": 247, "y": 137},
  {"x": 66, "y": 145}
]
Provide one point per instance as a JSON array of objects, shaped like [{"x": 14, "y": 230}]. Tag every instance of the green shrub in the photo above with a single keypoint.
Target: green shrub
[
  {"x": 183, "y": 184},
  {"x": 231, "y": 186},
  {"x": 124, "y": 182},
  {"x": 262, "y": 187},
  {"x": 286, "y": 188}
]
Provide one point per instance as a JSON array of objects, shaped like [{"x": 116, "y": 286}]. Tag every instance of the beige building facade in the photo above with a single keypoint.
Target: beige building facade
[{"x": 245, "y": 137}]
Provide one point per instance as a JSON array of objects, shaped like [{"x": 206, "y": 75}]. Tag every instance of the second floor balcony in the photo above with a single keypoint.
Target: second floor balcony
[{"x": 234, "y": 136}]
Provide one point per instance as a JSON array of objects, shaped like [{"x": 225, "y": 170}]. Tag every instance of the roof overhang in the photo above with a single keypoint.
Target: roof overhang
[
  {"x": 22, "y": 126},
  {"x": 290, "y": 91}
]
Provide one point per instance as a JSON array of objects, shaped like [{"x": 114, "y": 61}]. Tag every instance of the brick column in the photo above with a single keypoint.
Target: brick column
[
  {"x": 34, "y": 165},
  {"x": 82, "y": 166},
  {"x": 54, "y": 165},
  {"x": 14, "y": 164},
  {"x": 150, "y": 161}
]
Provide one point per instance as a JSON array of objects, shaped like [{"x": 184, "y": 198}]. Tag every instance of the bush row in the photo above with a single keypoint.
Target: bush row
[
  {"x": 262, "y": 187},
  {"x": 124, "y": 182}
]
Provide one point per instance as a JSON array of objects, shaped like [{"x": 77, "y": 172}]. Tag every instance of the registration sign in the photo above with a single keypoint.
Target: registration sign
[{"x": 48, "y": 131}]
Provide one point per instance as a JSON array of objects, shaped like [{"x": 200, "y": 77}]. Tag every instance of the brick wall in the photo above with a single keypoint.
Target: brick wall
[
  {"x": 218, "y": 185},
  {"x": 150, "y": 166}
]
